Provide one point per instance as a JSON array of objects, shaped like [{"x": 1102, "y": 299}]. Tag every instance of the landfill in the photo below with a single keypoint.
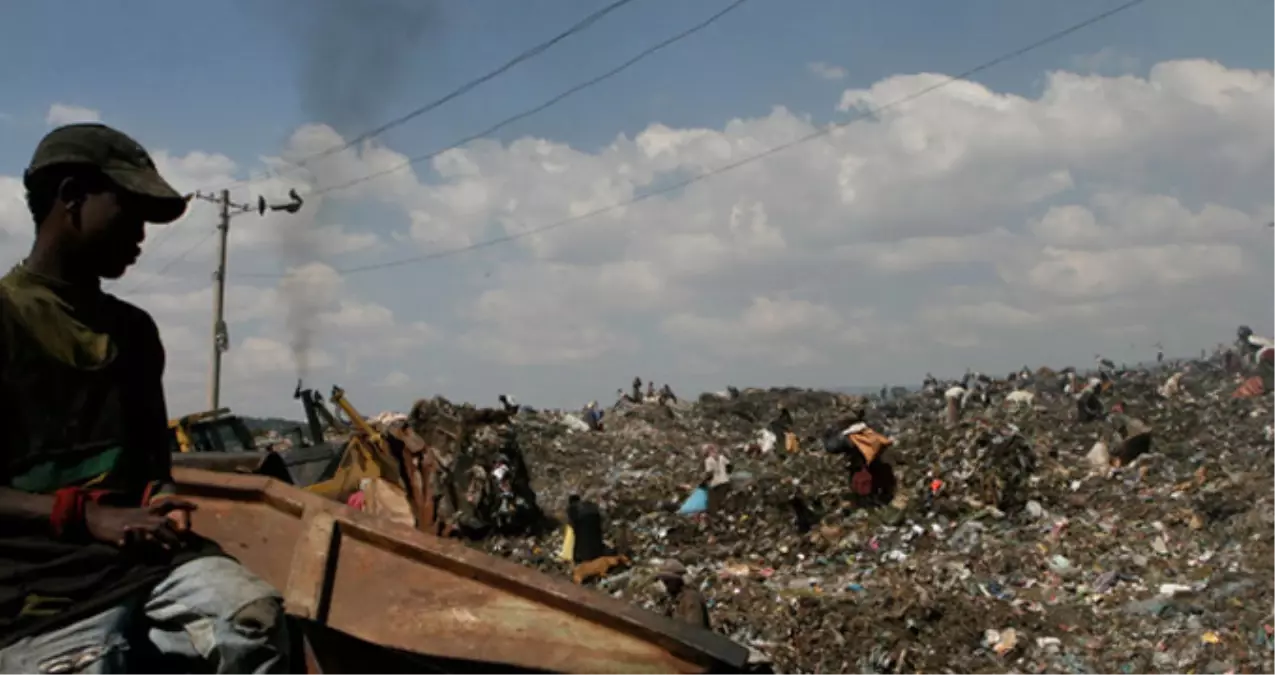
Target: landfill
[{"x": 1118, "y": 521}]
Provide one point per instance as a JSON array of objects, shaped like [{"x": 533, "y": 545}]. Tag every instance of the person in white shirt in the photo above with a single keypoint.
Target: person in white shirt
[{"x": 717, "y": 467}]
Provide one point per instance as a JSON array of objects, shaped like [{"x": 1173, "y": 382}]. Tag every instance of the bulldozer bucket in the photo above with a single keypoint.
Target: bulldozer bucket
[{"x": 391, "y": 588}]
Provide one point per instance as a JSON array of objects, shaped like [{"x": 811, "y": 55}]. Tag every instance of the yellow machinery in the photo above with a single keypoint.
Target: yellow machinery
[
  {"x": 367, "y": 454},
  {"x": 210, "y": 431},
  {"x": 221, "y": 441}
]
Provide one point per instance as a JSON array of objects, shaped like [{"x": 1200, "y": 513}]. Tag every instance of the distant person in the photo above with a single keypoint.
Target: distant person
[
  {"x": 593, "y": 416},
  {"x": 682, "y": 601},
  {"x": 717, "y": 468},
  {"x": 585, "y": 518},
  {"x": 509, "y": 404}
]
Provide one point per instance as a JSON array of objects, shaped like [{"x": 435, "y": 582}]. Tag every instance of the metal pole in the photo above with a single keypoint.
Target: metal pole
[{"x": 219, "y": 337}]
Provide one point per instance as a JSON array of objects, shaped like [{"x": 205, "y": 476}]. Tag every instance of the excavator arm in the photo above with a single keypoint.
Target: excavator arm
[{"x": 367, "y": 454}]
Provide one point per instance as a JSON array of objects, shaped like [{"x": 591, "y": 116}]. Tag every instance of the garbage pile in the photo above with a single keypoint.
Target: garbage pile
[
  {"x": 1120, "y": 521},
  {"x": 480, "y": 483}
]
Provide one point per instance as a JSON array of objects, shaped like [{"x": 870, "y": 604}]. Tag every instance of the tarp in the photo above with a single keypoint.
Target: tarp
[{"x": 696, "y": 503}]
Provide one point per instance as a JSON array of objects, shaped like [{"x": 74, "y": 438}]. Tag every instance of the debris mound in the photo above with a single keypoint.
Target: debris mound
[{"x": 1008, "y": 545}]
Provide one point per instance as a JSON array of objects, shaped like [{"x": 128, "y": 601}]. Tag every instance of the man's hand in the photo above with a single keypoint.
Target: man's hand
[
  {"x": 151, "y": 524},
  {"x": 179, "y": 516}
]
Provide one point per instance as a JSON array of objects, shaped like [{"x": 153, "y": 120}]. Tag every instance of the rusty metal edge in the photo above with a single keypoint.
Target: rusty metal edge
[{"x": 685, "y": 641}]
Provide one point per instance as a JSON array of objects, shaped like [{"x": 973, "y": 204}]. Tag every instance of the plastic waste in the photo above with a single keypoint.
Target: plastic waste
[{"x": 697, "y": 502}]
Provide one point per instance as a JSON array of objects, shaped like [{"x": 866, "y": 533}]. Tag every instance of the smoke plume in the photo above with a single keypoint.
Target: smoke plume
[
  {"x": 353, "y": 58},
  {"x": 298, "y": 247}
]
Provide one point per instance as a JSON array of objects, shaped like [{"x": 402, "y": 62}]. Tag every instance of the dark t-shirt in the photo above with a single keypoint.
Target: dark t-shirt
[
  {"x": 585, "y": 519},
  {"x": 81, "y": 404}
]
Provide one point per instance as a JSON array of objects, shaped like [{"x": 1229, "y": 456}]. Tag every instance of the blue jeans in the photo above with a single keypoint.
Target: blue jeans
[{"x": 211, "y": 611}]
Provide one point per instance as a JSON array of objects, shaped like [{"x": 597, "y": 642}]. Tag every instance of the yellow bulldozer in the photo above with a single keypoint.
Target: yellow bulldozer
[{"x": 219, "y": 440}]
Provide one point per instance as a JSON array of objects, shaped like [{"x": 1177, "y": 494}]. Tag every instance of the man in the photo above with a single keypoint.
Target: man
[
  {"x": 591, "y": 557},
  {"x": 97, "y": 561},
  {"x": 717, "y": 470},
  {"x": 509, "y": 404},
  {"x": 681, "y": 601},
  {"x": 585, "y": 519},
  {"x": 783, "y": 422},
  {"x": 593, "y": 416}
]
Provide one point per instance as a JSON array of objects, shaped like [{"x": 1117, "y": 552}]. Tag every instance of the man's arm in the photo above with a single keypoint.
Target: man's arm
[
  {"x": 17, "y": 506},
  {"x": 152, "y": 415}
]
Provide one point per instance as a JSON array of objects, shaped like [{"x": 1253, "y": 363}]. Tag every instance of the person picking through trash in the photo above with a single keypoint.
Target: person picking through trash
[
  {"x": 593, "y": 416},
  {"x": 872, "y": 479},
  {"x": 682, "y": 602},
  {"x": 590, "y": 554},
  {"x": 1088, "y": 400},
  {"x": 782, "y": 426},
  {"x": 1247, "y": 343},
  {"x": 717, "y": 469},
  {"x": 98, "y": 564},
  {"x": 509, "y": 404}
]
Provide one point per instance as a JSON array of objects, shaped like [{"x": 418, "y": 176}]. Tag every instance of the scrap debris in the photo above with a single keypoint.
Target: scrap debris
[{"x": 1031, "y": 523}]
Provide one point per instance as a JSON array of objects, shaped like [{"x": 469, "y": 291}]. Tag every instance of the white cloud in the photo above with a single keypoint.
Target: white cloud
[
  {"x": 15, "y": 219},
  {"x": 1097, "y": 188},
  {"x": 1107, "y": 61},
  {"x": 61, "y": 113},
  {"x": 395, "y": 380},
  {"x": 1100, "y": 211},
  {"x": 826, "y": 71},
  {"x": 1078, "y": 273},
  {"x": 786, "y": 331}
]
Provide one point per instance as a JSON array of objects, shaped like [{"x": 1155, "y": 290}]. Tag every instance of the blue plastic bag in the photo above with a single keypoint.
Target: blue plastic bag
[{"x": 696, "y": 503}]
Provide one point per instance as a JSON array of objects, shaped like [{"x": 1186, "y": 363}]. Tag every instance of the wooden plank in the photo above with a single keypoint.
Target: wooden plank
[
  {"x": 309, "y": 583},
  {"x": 395, "y": 587}
]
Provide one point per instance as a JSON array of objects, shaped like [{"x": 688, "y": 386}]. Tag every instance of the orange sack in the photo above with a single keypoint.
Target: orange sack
[{"x": 869, "y": 442}]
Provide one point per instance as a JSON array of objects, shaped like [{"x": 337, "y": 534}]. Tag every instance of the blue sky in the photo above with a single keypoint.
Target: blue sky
[
  {"x": 192, "y": 76},
  {"x": 228, "y": 78}
]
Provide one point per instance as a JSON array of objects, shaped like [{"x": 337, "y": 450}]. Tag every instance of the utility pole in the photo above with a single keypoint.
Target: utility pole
[
  {"x": 220, "y": 334},
  {"x": 220, "y": 338}
]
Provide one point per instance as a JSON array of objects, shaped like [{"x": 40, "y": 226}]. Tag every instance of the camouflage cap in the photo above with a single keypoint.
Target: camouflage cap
[{"x": 115, "y": 154}]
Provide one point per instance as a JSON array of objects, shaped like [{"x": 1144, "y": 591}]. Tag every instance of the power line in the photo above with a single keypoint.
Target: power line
[
  {"x": 229, "y": 209},
  {"x": 547, "y": 104},
  {"x": 174, "y": 261},
  {"x": 261, "y": 207},
  {"x": 532, "y": 52},
  {"x": 1054, "y": 37}
]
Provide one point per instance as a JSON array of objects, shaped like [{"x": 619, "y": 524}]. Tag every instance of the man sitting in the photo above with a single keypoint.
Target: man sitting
[{"x": 93, "y": 545}]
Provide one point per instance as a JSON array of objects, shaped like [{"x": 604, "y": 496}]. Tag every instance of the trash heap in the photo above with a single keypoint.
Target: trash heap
[{"x": 1005, "y": 547}]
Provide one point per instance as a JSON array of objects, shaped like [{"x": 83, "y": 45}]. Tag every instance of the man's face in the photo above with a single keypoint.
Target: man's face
[{"x": 111, "y": 230}]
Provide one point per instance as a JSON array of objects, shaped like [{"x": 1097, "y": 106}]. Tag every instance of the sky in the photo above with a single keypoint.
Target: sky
[{"x": 1099, "y": 195}]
